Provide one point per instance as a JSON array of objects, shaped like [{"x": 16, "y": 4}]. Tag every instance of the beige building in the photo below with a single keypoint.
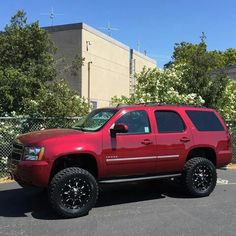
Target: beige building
[
  {"x": 137, "y": 62},
  {"x": 109, "y": 65}
]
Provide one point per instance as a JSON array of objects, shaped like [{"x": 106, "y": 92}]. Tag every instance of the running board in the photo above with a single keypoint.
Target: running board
[{"x": 121, "y": 180}]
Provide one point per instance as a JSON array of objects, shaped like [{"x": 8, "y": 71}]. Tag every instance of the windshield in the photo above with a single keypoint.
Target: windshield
[{"x": 95, "y": 120}]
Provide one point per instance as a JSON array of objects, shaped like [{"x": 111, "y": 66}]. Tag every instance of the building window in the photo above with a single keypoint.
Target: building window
[{"x": 94, "y": 105}]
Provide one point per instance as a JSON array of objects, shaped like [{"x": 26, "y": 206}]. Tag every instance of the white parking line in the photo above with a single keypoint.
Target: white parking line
[{"x": 224, "y": 182}]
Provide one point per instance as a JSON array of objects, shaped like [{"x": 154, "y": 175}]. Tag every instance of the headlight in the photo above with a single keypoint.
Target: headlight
[{"x": 33, "y": 153}]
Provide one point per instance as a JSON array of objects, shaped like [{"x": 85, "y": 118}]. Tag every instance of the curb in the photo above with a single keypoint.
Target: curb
[
  {"x": 6, "y": 180},
  {"x": 231, "y": 166}
]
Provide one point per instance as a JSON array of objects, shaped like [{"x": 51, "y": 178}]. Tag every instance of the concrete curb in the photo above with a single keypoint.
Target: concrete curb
[
  {"x": 231, "y": 166},
  {"x": 6, "y": 180}
]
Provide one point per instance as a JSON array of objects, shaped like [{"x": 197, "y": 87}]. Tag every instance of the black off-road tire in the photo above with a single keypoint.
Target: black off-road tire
[
  {"x": 199, "y": 177},
  {"x": 73, "y": 192}
]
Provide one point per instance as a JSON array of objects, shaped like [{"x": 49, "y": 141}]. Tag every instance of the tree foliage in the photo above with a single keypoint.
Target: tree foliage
[
  {"x": 194, "y": 76},
  {"x": 228, "y": 102},
  {"x": 161, "y": 86},
  {"x": 27, "y": 48},
  {"x": 26, "y": 62},
  {"x": 205, "y": 74},
  {"x": 56, "y": 100},
  {"x": 27, "y": 69}
]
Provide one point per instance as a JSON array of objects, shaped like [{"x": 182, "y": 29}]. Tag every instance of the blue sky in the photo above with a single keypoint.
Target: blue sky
[{"x": 156, "y": 24}]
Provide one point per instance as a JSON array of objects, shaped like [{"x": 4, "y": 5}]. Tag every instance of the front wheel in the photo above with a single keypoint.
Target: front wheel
[
  {"x": 73, "y": 192},
  {"x": 199, "y": 176}
]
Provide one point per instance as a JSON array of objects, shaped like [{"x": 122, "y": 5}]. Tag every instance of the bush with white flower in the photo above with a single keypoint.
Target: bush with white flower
[{"x": 161, "y": 86}]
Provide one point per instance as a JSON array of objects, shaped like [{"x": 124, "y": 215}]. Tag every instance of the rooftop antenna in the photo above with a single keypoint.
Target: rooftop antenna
[
  {"x": 51, "y": 15},
  {"x": 138, "y": 46},
  {"x": 109, "y": 29}
]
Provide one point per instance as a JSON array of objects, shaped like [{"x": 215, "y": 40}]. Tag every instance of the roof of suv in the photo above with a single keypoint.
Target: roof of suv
[{"x": 183, "y": 106}]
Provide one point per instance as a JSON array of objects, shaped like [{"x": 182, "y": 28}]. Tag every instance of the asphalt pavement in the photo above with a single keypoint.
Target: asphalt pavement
[{"x": 144, "y": 208}]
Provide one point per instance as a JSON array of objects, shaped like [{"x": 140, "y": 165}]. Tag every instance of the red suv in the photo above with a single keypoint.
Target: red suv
[{"x": 124, "y": 143}]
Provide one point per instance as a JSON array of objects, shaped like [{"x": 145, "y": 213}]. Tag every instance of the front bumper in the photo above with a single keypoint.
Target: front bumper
[{"x": 31, "y": 173}]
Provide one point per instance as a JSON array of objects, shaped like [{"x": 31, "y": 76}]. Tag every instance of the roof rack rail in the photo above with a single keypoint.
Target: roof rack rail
[
  {"x": 159, "y": 104},
  {"x": 167, "y": 104}
]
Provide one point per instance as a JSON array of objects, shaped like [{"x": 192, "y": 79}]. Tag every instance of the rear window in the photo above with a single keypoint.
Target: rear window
[{"x": 205, "y": 120}]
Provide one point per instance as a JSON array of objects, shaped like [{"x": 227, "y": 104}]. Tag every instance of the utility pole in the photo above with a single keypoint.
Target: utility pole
[{"x": 89, "y": 81}]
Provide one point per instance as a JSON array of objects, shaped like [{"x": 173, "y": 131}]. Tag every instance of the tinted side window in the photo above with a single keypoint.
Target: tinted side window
[
  {"x": 205, "y": 120},
  {"x": 169, "y": 122},
  {"x": 137, "y": 122}
]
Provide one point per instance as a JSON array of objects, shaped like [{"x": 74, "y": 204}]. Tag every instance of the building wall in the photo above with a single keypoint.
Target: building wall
[
  {"x": 231, "y": 72},
  {"x": 109, "y": 67},
  {"x": 140, "y": 61},
  {"x": 67, "y": 40},
  {"x": 137, "y": 62},
  {"x": 112, "y": 64}
]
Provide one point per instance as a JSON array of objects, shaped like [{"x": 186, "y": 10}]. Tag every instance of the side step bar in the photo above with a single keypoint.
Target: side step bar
[{"x": 121, "y": 180}]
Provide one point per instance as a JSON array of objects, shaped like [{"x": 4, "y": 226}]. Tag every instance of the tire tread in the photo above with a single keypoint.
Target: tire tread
[
  {"x": 188, "y": 168},
  {"x": 58, "y": 178}
]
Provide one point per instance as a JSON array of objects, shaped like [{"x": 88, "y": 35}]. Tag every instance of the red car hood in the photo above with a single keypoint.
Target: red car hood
[{"x": 43, "y": 135}]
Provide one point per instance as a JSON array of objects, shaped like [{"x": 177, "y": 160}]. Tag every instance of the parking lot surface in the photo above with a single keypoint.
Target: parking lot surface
[{"x": 144, "y": 208}]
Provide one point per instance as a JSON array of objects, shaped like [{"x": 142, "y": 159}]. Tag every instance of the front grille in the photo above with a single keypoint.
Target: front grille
[{"x": 17, "y": 151}]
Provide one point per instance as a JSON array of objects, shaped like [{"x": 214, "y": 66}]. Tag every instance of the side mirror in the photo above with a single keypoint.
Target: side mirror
[{"x": 119, "y": 128}]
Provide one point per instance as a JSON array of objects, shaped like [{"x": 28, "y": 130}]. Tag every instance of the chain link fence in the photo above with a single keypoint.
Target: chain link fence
[
  {"x": 232, "y": 128},
  {"x": 11, "y": 127}
]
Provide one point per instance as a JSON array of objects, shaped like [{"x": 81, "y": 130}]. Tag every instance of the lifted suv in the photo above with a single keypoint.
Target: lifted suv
[{"x": 126, "y": 143}]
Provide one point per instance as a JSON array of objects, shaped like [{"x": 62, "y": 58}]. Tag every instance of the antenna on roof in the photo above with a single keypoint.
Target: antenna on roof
[
  {"x": 51, "y": 15},
  {"x": 138, "y": 46},
  {"x": 109, "y": 29}
]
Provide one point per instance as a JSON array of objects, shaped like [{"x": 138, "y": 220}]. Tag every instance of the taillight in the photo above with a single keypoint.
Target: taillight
[{"x": 229, "y": 144}]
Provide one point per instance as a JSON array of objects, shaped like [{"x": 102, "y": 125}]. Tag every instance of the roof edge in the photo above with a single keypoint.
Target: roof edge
[
  {"x": 90, "y": 29},
  {"x": 144, "y": 56}
]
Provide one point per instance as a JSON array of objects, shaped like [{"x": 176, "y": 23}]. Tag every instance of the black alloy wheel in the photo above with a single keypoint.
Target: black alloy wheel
[
  {"x": 73, "y": 192},
  {"x": 202, "y": 178},
  {"x": 199, "y": 176}
]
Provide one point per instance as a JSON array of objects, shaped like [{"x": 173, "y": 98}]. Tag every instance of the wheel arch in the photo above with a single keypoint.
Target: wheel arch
[
  {"x": 205, "y": 152},
  {"x": 83, "y": 160}
]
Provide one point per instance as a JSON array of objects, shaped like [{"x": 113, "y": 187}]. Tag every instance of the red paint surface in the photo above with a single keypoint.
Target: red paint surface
[{"x": 131, "y": 150}]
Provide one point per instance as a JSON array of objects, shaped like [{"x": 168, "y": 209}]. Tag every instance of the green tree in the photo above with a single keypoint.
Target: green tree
[
  {"x": 205, "y": 70},
  {"x": 194, "y": 76},
  {"x": 228, "y": 102},
  {"x": 161, "y": 86},
  {"x": 56, "y": 100},
  {"x": 26, "y": 62},
  {"x": 29, "y": 82}
]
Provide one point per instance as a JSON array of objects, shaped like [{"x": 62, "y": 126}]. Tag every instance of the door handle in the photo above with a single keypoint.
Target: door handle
[
  {"x": 146, "y": 142},
  {"x": 184, "y": 139}
]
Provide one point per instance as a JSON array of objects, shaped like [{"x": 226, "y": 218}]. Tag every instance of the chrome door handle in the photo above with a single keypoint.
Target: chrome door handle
[
  {"x": 146, "y": 142},
  {"x": 184, "y": 139}
]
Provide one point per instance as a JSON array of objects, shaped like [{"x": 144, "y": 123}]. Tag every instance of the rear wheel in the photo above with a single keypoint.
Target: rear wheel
[
  {"x": 73, "y": 192},
  {"x": 199, "y": 176}
]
